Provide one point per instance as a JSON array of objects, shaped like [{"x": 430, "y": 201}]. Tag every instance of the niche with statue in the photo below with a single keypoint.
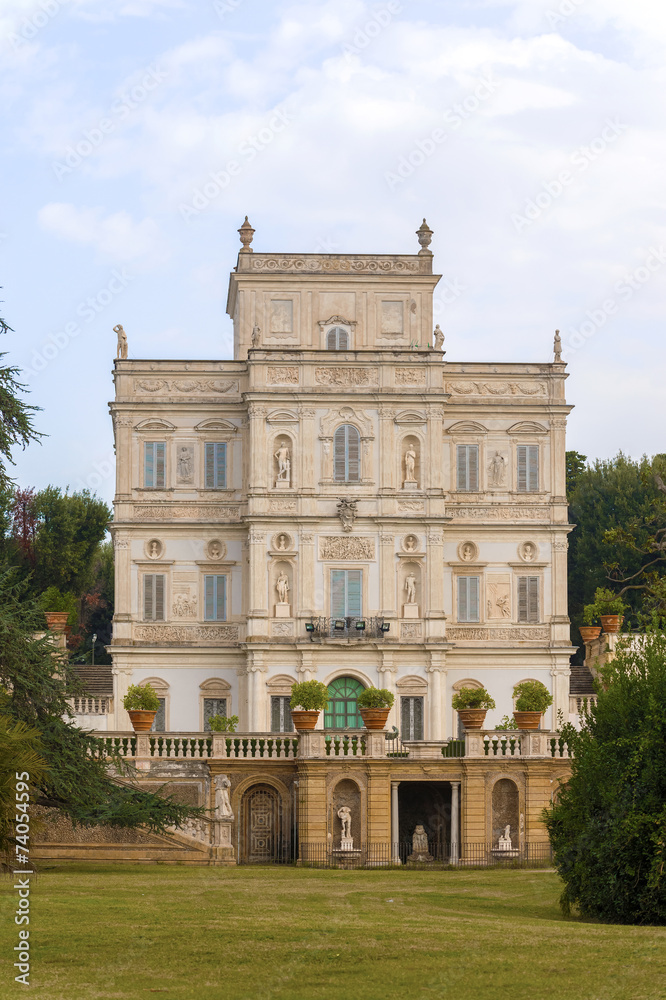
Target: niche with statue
[
  {"x": 506, "y": 819},
  {"x": 410, "y": 587},
  {"x": 283, "y": 453},
  {"x": 282, "y": 588},
  {"x": 410, "y": 473}
]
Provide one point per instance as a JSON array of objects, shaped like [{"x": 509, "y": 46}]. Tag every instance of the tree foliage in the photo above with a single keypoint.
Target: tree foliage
[
  {"x": 608, "y": 827},
  {"x": 20, "y": 751},
  {"x": 16, "y": 417}
]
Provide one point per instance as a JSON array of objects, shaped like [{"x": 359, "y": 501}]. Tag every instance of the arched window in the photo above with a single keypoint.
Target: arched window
[
  {"x": 347, "y": 455},
  {"x": 342, "y": 709},
  {"x": 337, "y": 339}
]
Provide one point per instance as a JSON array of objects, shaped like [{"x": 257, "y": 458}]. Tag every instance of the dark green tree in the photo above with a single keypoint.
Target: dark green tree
[
  {"x": 608, "y": 827},
  {"x": 16, "y": 417},
  {"x": 575, "y": 468},
  {"x": 34, "y": 690},
  {"x": 70, "y": 527}
]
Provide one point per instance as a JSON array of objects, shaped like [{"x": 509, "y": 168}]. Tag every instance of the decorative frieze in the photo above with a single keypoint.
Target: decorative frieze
[
  {"x": 345, "y": 376},
  {"x": 186, "y": 633},
  {"x": 410, "y": 376},
  {"x": 507, "y": 634},
  {"x": 411, "y": 630},
  {"x": 411, "y": 507},
  {"x": 514, "y": 512},
  {"x": 471, "y": 388},
  {"x": 184, "y": 386},
  {"x": 185, "y": 512},
  {"x": 282, "y": 376},
  {"x": 282, "y": 629},
  {"x": 339, "y": 547},
  {"x": 313, "y": 263},
  {"x": 282, "y": 506}
]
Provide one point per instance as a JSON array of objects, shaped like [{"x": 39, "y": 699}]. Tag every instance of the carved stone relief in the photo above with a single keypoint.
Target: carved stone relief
[
  {"x": 186, "y": 633},
  {"x": 188, "y": 387},
  {"x": 410, "y": 543},
  {"x": 528, "y": 551},
  {"x": 215, "y": 549},
  {"x": 507, "y": 634},
  {"x": 347, "y": 513},
  {"x": 184, "y": 605},
  {"x": 282, "y": 542},
  {"x": 282, "y": 376},
  {"x": 185, "y": 464},
  {"x": 497, "y": 470},
  {"x": 498, "y": 388},
  {"x": 410, "y": 507},
  {"x": 154, "y": 549},
  {"x": 178, "y": 512},
  {"x": 282, "y": 317},
  {"x": 515, "y": 512},
  {"x": 358, "y": 265},
  {"x": 468, "y": 552},
  {"x": 413, "y": 630},
  {"x": 498, "y": 597},
  {"x": 282, "y": 506},
  {"x": 410, "y": 376},
  {"x": 392, "y": 318},
  {"x": 340, "y": 547},
  {"x": 282, "y": 628},
  {"x": 345, "y": 376}
]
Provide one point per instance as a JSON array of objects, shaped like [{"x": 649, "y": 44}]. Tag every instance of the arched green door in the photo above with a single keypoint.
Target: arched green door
[{"x": 342, "y": 709}]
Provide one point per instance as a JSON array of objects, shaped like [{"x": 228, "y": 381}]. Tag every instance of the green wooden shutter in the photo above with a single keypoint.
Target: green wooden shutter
[
  {"x": 210, "y": 466},
  {"x": 275, "y": 715},
  {"x": 418, "y": 718},
  {"x": 354, "y": 579},
  {"x": 405, "y": 719},
  {"x": 148, "y": 464},
  {"x": 149, "y": 597},
  {"x": 221, "y": 471},
  {"x": 216, "y": 465},
  {"x": 338, "y": 593}
]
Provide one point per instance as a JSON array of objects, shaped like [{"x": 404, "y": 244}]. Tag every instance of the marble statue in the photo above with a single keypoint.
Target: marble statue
[
  {"x": 410, "y": 543},
  {"x": 420, "y": 850},
  {"x": 497, "y": 470},
  {"x": 282, "y": 543},
  {"x": 410, "y": 589},
  {"x": 282, "y": 587},
  {"x": 347, "y": 513},
  {"x": 344, "y": 813},
  {"x": 155, "y": 549},
  {"x": 184, "y": 463},
  {"x": 214, "y": 550},
  {"x": 505, "y": 839},
  {"x": 223, "y": 808},
  {"x": 438, "y": 338},
  {"x": 121, "y": 351},
  {"x": 256, "y": 333},
  {"x": 529, "y": 551},
  {"x": 557, "y": 347},
  {"x": 467, "y": 552},
  {"x": 283, "y": 461},
  {"x": 410, "y": 463}
]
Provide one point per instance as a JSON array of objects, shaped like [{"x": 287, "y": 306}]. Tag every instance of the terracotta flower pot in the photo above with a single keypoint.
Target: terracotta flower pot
[
  {"x": 374, "y": 718},
  {"x": 527, "y": 720},
  {"x": 304, "y": 721},
  {"x": 141, "y": 720},
  {"x": 611, "y": 623},
  {"x": 589, "y": 632},
  {"x": 56, "y": 620},
  {"x": 472, "y": 718}
]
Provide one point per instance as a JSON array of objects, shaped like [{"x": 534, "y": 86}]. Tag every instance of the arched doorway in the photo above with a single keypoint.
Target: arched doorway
[
  {"x": 262, "y": 825},
  {"x": 342, "y": 709}
]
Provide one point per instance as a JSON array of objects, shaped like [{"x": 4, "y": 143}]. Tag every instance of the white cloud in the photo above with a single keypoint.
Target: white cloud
[{"x": 116, "y": 236}]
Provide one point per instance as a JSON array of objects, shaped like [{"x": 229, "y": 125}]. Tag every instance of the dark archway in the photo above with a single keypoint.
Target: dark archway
[
  {"x": 427, "y": 804},
  {"x": 262, "y": 828}
]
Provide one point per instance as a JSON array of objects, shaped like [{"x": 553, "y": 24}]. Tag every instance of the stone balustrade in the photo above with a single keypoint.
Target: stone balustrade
[{"x": 515, "y": 743}]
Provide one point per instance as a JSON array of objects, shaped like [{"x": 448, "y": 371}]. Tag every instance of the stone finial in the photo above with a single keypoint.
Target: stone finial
[
  {"x": 557, "y": 348},
  {"x": 424, "y": 233},
  {"x": 246, "y": 233}
]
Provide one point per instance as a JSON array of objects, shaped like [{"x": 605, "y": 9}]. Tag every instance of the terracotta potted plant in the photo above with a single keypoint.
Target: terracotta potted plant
[
  {"x": 532, "y": 700},
  {"x": 142, "y": 705},
  {"x": 308, "y": 699},
  {"x": 607, "y": 608},
  {"x": 374, "y": 705},
  {"x": 471, "y": 704}
]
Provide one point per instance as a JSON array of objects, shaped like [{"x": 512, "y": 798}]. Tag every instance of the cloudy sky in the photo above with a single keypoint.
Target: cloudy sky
[{"x": 138, "y": 133}]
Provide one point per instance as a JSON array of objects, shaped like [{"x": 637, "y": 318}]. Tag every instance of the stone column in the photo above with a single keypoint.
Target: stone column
[
  {"x": 395, "y": 824},
  {"x": 121, "y": 682},
  {"x": 436, "y": 671},
  {"x": 434, "y": 608},
  {"x": 258, "y": 457},
  {"x": 560, "y": 674},
  {"x": 387, "y": 575},
  {"x": 122, "y": 618},
  {"x": 308, "y": 451},
  {"x": 306, "y": 577},
  {"x": 257, "y": 588},
  {"x": 455, "y": 821},
  {"x": 432, "y": 477},
  {"x": 387, "y": 469},
  {"x": 387, "y": 671},
  {"x": 123, "y": 438},
  {"x": 257, "y": 671}
]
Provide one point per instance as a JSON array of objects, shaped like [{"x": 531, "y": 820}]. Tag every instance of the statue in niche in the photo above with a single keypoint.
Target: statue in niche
[
  {"x": 438, "y": 339},
  {"x": 121, "y": 349},
  {"x": 347, "y": 513},
  {"x": 410, "y": 543},
  {"x": 282, "y": 543},
  {"x": 410, "y": 463},
  {"x": 185, "y": 461},
  {"x": 557, "y": 348},
  {"x": 410, "y": 589},
  {"x": 256, "y": 334},
  {"x": 215, "y": 550},
  {"x": 344, "y": 814},
  {"x": 223, "y": 808},
  {"x": 505, "y": 839},
  {"x": 155, "y": 549},
  {"x": 529, "y": 551},
  {"x": 467, "y": 551},
  {"x": 497, "y": 470},
  {"x": 284, "y": 464},
  {"x": 420, "y": 850},
  {"x": 282, "y": 588}
]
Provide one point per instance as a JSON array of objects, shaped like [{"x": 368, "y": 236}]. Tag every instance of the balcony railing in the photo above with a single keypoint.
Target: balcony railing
[{"x": 347, "y": 628}]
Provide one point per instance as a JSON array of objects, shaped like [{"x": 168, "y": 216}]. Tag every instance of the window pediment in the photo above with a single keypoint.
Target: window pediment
[
  {"x": 155, "y": 424},
  {"x": 410, "y": 417},
  {"x": 467, "y": 427},
  {"x": 346, "y": 415},
  {"x": 209, "y": 426},
  {"x": 282, "y": 417},
  {"x": 529, "y": 427}
]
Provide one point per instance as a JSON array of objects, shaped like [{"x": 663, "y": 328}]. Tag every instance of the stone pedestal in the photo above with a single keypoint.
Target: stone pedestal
[
  {"x": 410, "y": 484},
  {"x": 283, "y": 610},
  {"x": 410, "y": 611},
  {"x": 282, "y": 484},
  {"x": 223, "y": 850},
  {"x": 347, "y": 844}
]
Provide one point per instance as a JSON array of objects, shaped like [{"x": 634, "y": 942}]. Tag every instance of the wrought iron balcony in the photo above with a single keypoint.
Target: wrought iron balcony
[{"x": 347, "y": 628}]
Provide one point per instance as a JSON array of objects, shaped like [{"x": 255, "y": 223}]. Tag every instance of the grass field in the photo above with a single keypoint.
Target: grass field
[{"x": 292, "y": 934}]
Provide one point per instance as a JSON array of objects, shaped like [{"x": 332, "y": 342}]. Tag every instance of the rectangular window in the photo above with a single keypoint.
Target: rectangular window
[
  {"x": 468, "y": 598},
  {"x": 528, "y": 599},
  {"x": 346, "y": 585},
  {"x": 154, "y": 585},
  {"x": 215, "y": 598},
  {"x": 411, "y": 718},
  {"x": 467, "y": 476},
  {"x": 281, "y": 714},
  {"x": 154, "y": 464},
  {"x": 159, "y": 722},
  {"x": 213, "y": 706},
  {"x": 216, "y": 466},
  {"x": 528, "y": 468}
]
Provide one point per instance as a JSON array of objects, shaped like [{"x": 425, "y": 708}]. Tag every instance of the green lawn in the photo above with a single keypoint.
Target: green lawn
[{"x": 294, "y": 934}]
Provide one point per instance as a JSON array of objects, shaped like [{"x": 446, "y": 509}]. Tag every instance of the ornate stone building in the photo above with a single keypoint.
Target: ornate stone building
[{"x": 338, "y": 502}]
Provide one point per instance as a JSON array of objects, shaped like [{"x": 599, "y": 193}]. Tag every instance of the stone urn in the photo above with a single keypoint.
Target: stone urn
[
  {"x": 56, "y": 621},
  {"x": 589, "y": 632},
  {"x": 611, "y": 623},
  {"x": 141, "y": 720},
  {"x": 304, "y": 721},
  {"x": 472, "y": 718},
  {"x": 374, "y": 718},
  {"x": 527, "y": 720}
]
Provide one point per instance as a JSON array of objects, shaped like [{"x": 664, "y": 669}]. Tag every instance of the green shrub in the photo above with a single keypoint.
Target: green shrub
[
  {"x": 141, "y": 698},
  {"x": 506, "y": 724},
  {"x": 374, "y": 697},
  {"x": 532, "y": 696},
  {"x": 605, "y": 603},
  {"x": 54, "y": 600},
  {"x": 472, "y": 698},
  {"x": 222, "y": 724},
  {"x": 310, "y": 696}
]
